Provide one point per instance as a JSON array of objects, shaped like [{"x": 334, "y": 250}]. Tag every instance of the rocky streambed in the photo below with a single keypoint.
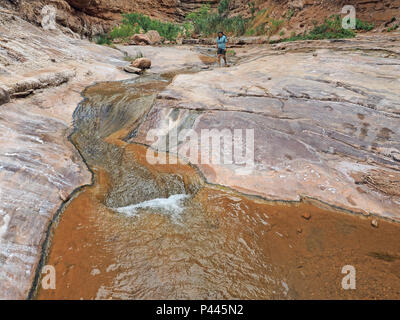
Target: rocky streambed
[
  {"x": 324, "y": 192},
  {"x": 147, "y": 231},
  {"x": 184, "y": 231}
]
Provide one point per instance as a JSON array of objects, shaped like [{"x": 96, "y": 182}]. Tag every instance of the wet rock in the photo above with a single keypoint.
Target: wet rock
[
  {"x": 131, "y": 69},
  {"x": 312, "y": 129},
  {"x": 142, "y": 63},
  {"x": 306, "y": 216},
  {"x": 64, "y": 196},
  {"x": 165, "y": 59}
]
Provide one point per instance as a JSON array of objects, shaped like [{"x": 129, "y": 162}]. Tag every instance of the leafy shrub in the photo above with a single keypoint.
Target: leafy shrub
[
  {"x": 252, "y": 8},
  {"x": 275, "y": 26},
  {"x": 103, "y": 39},
  {"x": 390, "y": 29},
  {"x": 289, "y": 14},
  {"x": 167, "y": 30},
  {"x": 365, "y": 26},
  {"x": 330, "y": 29},
  {"x": 139, "y": 55},
  {"x": 206, "y": 22},
  {"x": 124, "y": 31},
  {"x": 223, "y": 7}
]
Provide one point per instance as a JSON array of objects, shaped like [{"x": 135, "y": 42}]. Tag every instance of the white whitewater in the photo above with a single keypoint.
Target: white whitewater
[{"x": 172, "y": 206}]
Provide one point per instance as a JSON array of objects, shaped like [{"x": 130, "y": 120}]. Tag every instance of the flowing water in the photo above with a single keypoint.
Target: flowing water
[{"x": 160, "y": 232}]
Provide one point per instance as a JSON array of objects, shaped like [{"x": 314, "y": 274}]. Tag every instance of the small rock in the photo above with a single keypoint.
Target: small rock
[
  {"x": 63, "y": 195},
  {"x": 22, "y": 94},
  {"x": 299, "y": 230},
  {"x": 140, "y": 39},
  {"x": 130, "y": 69},
  {"x": 396, "y": 156},
  {"x": 142, "y": 63},
  {"x": 4, "y": 96},
  {"x": 95, "y": 272},
  {"x": 375, "y": 223},
  {"x": 306, "y": 216},
  {"x": 315, "y": 54}
]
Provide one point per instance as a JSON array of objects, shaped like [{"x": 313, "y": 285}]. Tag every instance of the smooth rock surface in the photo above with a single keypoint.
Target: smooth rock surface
[
  {"x": 39, "y": 166},
  {"x": 166, "y": 59},
  {"x": 325, "y": 127},
  {"x": 133, "y": 70}
]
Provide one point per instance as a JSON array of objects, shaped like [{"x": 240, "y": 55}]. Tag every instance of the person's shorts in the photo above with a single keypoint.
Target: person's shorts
[{"x": 221, "y": 51}]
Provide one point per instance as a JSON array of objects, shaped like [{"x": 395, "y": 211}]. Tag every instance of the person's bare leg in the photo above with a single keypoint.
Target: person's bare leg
[
  {"x": 226, "y": 61},
  {"x": 219, "y": 60}
]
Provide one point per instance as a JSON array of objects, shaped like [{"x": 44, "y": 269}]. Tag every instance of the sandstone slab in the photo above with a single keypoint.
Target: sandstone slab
[
  {"x": 39, "y": 166},
  {"x": 317, "y": 121}
]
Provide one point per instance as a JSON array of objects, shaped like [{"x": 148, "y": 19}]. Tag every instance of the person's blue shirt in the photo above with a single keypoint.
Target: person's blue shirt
[{"x": 222, "y": 42}]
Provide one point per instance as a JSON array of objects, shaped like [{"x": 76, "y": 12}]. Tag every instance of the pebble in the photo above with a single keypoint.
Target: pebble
[
  {"x": 63, "y": 195},
  {"x": 306, "y": 216},
  {"x": 374, "y": 223},
  {"x": 396, "y": 156}
]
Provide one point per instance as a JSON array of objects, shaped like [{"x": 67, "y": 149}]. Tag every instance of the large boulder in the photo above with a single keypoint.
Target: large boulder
[
  {"x": 142, "y": 63},
  {"x": 154, "y": 37},
  {"x": 140, "y": 39}
]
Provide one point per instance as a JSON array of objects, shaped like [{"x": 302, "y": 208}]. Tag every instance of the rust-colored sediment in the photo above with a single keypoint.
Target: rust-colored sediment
[
  {"x": 226, "y": 246},
  {"x": 223, "y": 246}
]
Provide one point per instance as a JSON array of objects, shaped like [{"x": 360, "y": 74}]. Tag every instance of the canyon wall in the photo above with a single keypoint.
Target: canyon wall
[
  {"x": 299, "y": 15},
  {"x": 91, "y": 17}
]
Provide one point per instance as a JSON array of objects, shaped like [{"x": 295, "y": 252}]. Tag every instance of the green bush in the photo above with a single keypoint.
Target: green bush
[
  {"x": 252, "y": 8},
  {"x": 103, "y": 39},
  {"x": 167, "y": 30},
  {"x": 275, "y": 26},
  {"x": 289, "y": 14},
  {"x": 330, "y": 29},
  {"x": 124, "y": 31},
  {"x": 390, "y": 29},
  {"x": 206, "y": 22},
  {"x": 223, "y": 7},
  {"x": 365, "y": 26}
]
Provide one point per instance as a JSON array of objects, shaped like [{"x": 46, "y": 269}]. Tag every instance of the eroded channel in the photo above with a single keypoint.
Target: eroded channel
[{"x": 161, "y": 232}]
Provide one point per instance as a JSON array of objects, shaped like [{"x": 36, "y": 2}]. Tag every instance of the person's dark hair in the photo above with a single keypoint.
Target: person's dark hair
[{"x": 221, "y": 32}]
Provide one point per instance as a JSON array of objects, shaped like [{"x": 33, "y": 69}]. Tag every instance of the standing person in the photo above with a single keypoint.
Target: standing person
[{"x": 221, "y": 47}]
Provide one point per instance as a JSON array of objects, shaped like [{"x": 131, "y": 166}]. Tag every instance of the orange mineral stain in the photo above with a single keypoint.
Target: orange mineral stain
[{"x": 160, "y": 232}]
